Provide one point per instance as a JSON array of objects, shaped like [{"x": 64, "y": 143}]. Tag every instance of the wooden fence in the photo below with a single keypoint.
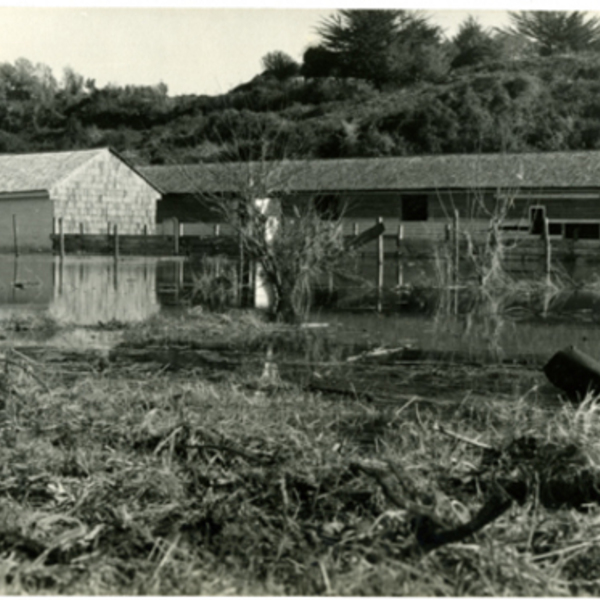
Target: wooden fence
[{"x": 143, "y": 245}]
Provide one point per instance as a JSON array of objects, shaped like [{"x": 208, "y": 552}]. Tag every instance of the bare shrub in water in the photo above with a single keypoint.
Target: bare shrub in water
[
  {"x": 484, "y": 292},
  {"x": 214, "y": 283},
  {"x": 294, "y": 243}
]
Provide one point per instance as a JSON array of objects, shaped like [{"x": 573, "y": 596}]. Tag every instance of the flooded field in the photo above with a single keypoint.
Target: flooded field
[{"x": 101, "y": 293}]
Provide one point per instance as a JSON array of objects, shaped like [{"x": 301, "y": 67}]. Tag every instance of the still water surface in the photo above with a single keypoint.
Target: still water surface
[
  {"x": 77, "y": 291},
  {"x": 90, "y": 291}
]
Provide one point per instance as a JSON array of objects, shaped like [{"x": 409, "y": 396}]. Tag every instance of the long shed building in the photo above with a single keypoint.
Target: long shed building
[
  {"x": 90, "y": 190},
  {"x": 421, "y": 191}
]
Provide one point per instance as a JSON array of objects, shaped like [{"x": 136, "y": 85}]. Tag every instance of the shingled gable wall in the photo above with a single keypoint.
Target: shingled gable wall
[{"x": 105, "y": 190}]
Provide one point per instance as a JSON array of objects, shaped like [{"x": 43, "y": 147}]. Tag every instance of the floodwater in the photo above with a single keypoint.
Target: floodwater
[
  {"x": 77, "y": 291},
  {"x": 99, "y": 291}
]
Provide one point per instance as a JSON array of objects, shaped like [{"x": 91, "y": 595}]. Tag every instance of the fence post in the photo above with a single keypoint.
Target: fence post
[
  {"x": 15, "y": 235},
  {"x": 547, "y": 247},
  {"x": 81, "y": 242},
  {"x": 145, "y": 234},
  {"x": 61, "y": 237},
  {"x": 399, "y": 239},
  {"x": 380, "y": 266},
  {"x": 456, "y": 240},
  {"x": 116, "y": 238},
  {"x": 175, "y": 236},
  {"x": 456, "y": 261}
]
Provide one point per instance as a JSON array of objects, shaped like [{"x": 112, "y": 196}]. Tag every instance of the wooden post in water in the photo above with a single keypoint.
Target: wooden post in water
[
  {"x": 456, "y": 258},
  {"x": 116, "y": 240},
  {"x": 399, "y": 269},
  {"x": 380, "y": 265},
  {"x": 81, "y": 242},
  {"x": 175, "y": 236},
  {"x": 241, "y": 272},
  {"x": 145, "y": 234},
  {"x": 547, "y": 249},
  {"x": 456, "y": 252},
  {"x": 116, "y": 273},
  {"x": 355, "y": 233},
  {"x": 15, "y": 235},
  {"x": 61, "y": 238},
  {"x": 217, "y": 232},
  {"x": 61, "y": 264}
]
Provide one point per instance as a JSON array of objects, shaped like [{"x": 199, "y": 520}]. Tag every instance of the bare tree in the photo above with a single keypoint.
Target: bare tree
[{"x": 296, "y": 243}]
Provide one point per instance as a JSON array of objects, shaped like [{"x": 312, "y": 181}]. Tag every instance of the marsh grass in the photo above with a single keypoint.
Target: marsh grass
[
  {"x": 214, "y": 283},
  {"x": 129, "y": 479}
]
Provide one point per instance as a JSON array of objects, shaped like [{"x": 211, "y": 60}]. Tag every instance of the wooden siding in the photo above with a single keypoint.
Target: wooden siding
[
  {"x": 105, "y": 190},
  {"x": 34, "y": 224}
]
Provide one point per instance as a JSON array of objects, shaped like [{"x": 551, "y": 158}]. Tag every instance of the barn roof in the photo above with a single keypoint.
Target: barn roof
[
  {"x": 41, "y": 171},
  {"x": 456, "y": 171}
]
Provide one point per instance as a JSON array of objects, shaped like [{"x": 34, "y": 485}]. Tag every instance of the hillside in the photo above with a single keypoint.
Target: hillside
[{"x": 536, "y": 103}]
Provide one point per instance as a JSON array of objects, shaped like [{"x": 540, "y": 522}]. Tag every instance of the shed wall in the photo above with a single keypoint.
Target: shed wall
[
  {"x": 105, "y": 191},
  {"x": 34, "y": 224}
]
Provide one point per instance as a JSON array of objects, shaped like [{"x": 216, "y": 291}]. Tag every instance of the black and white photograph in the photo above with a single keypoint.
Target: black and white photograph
[{"x": 299, "y": 300}]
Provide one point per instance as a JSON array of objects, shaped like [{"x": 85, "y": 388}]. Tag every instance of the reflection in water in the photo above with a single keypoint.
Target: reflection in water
[
  {"x": 88, "y": 292},
  {"x": 81, "y": 291}
]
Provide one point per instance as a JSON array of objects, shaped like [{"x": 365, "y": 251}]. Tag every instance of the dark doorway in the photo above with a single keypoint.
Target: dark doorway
[
  {"x": 414, "y": 207},
  {"x": 537, "y": 214}
]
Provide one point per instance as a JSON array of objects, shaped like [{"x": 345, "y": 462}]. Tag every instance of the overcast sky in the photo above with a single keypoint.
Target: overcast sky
[{"x": 193, "y": 48}]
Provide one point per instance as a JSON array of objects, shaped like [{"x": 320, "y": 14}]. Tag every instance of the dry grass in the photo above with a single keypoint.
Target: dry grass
[{"x": 132, "y": 480}]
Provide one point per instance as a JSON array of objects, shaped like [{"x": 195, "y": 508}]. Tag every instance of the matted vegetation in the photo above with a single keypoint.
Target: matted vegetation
[{"x": 135, "y": 479}]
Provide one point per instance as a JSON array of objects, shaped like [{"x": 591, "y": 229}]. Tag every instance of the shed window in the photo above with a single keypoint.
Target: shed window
[
  {"x": 328, "y": 206},
  {"x": 555, "y": 228},
  {"x": 414, "y": 208},
  {"x": 537, "y": 214},
  {"x": 582, "y": 231}
]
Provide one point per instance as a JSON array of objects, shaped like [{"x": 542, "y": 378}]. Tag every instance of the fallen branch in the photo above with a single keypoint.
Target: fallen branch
[
  {"x": 430, "y": 531},
  {"x": 396, "y": 490},
  {"x": 462, "y": 438},
  {"x": 430, "y": 538},
  {"x": 251, "y": 456}
]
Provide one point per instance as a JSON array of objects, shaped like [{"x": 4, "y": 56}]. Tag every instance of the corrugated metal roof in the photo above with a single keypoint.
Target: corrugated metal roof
[
  {"x": 456, "y": 171},
  {"x": 40, "y": 171}
]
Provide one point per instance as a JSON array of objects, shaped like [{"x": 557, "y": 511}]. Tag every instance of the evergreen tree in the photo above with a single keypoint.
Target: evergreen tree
[
  {"x": 361, "y": 39},
  {"x": 557, "y": 31},
  {"x": 376, "y": 45},
  {"x": 473, "y": 44}
]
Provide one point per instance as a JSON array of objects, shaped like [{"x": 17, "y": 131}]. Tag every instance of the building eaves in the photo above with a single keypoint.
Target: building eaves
[{"x": 457, "y": 171}]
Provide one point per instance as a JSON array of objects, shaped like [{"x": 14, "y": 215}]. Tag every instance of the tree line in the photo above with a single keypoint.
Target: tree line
[{"x": 379, "y": 83}]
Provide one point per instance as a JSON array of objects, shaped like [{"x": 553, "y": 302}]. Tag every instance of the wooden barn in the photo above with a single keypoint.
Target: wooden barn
[
  {"x": 90, "y": 190},
  {"x": 422, "y": 192}
]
